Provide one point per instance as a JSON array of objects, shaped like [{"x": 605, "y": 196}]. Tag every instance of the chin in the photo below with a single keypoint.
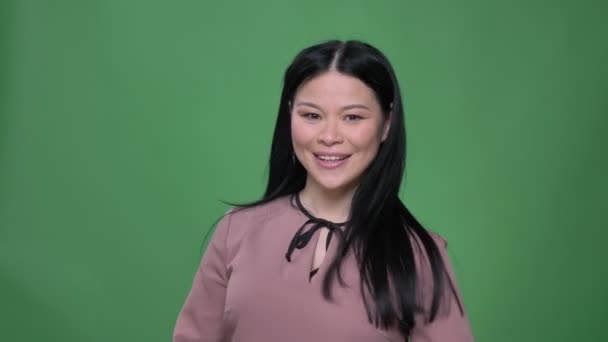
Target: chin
[{"x": 333, "y": 186}]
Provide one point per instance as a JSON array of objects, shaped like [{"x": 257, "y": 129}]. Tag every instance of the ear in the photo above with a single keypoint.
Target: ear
[{"x": 387, "y": 125}]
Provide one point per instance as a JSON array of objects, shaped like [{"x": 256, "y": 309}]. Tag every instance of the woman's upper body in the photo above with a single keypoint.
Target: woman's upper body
[
  {"x": 339, "y": 149},
  {"x": 246, "y": 290}
]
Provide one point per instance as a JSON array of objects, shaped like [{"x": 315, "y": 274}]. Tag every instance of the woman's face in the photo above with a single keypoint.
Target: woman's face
[{"x": 337, "y": 127}]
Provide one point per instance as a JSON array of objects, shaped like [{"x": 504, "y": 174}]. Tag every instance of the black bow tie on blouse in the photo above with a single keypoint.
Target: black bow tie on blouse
[{"x": 302, "y": 237}]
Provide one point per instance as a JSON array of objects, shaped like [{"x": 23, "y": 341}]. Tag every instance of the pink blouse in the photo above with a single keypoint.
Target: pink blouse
[{"x": 246, "y": 290}]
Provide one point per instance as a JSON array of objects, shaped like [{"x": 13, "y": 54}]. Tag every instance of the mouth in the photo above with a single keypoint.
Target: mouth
[{"x": 331, "y": 161}]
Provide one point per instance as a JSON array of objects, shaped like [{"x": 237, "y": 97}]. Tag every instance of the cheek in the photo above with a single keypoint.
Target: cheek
[
  {"x": 300, "y": 134},
  {"x": 366, "y": 138}
]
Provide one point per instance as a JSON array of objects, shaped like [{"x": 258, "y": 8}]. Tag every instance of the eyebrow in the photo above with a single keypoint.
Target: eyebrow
[{"x": 352, "y": 106}]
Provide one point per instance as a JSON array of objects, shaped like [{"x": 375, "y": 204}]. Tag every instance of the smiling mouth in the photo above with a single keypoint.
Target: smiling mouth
[{"x": 332, "y": 158}]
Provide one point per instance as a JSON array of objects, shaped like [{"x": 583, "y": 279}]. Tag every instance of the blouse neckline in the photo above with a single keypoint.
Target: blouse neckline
[
  {"x": 303, "y": 236},
  {"x": 296, "y": 197}
]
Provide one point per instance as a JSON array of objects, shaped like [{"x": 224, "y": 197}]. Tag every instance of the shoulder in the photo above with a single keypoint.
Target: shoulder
[
  {"x": 419, "y": 247},
  {"x": 240, "y": 220},
  {"x": 233, "y": 228},
  {"x": 258, "y": 213},
  {"x": 439, "y": 240},
  {"x": 428, "y": 254}
]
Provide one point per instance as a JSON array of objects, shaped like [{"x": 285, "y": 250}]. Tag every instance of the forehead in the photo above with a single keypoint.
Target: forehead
[{"x": 334, "y": 88}]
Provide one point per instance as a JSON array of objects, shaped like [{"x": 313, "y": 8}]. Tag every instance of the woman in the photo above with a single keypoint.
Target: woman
[{"x": 330, "y": 253}]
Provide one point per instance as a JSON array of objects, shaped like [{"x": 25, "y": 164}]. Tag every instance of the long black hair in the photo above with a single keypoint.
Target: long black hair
[{"x": 381, "y": 231}]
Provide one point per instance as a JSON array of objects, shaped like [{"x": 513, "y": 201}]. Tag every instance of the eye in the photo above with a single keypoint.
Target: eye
[
  {"x": 311, "y": 116},
  {"x": 353, "y": 117}
]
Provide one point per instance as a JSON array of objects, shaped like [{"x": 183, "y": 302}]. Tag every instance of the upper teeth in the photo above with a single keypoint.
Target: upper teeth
[{"x": 331, "y": 158}]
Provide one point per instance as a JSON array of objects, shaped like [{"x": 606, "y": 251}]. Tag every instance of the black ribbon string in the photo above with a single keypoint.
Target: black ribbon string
[{"x": 303, "y": 235}]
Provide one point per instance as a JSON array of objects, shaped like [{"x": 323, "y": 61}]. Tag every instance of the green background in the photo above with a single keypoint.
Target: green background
[{"x": 123, "y": 123}]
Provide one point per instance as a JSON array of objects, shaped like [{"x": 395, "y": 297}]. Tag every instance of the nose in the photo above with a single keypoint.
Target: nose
[{"x": 330, "y": 133}]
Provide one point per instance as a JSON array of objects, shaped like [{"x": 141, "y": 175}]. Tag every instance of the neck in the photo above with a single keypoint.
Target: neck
[{"x": 331, "y": 205}]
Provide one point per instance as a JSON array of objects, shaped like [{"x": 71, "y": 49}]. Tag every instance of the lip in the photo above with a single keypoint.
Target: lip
[
  {"x": 337, "y": 154},
  {"x": 331, "y": 164}
]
